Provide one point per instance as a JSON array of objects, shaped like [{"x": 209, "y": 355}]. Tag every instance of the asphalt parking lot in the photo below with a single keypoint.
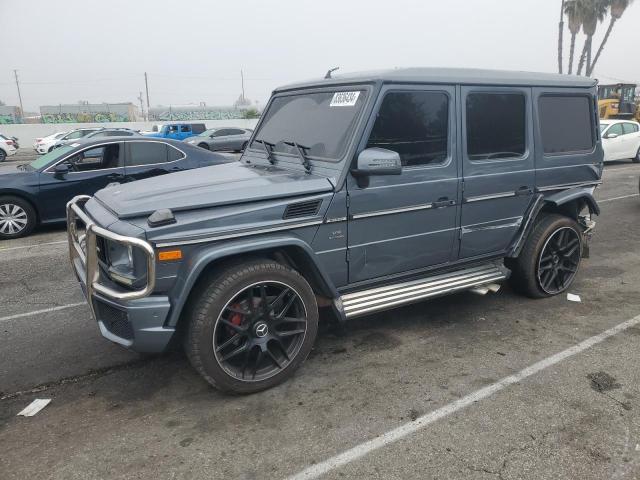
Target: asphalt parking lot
[{"x": 463, "y": 387}]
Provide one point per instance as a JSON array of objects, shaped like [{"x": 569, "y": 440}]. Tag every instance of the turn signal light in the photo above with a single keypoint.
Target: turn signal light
[{"x": 169, "y": 255}]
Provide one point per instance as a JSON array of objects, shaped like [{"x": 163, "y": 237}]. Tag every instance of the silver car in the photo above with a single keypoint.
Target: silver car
[{"x": 230, "y": 139}]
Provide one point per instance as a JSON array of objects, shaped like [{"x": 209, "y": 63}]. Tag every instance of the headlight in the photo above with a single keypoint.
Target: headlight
[{"x": 120, "y": 263}]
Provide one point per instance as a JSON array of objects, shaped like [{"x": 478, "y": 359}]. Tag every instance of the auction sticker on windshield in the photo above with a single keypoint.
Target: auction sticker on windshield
[{"x": 344, "y": 99}]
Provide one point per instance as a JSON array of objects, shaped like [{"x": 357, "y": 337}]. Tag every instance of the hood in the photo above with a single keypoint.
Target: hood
[
  {"x": 229, "y": 183},
  {"x": 12, "y": 169}
]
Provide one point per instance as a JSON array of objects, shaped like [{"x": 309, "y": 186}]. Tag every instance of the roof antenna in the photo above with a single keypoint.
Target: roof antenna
[{"x": 330, "y": 71}]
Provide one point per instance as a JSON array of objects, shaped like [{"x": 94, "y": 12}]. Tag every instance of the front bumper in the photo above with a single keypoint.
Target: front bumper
[{"x": 133, "y": 319}]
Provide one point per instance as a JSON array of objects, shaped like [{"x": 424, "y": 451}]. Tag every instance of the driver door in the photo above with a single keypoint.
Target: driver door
[{"x": 89, "y": 170}]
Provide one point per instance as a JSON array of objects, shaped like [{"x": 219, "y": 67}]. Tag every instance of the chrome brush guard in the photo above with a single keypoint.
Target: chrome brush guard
[{"x": 83, "y": 248}]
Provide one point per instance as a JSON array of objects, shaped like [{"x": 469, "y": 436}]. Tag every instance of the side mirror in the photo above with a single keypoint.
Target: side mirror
[
  {"x": 61, "y": 170},
  {"x": 376, "y": 161},
  {"x": 612, "y": 135}
]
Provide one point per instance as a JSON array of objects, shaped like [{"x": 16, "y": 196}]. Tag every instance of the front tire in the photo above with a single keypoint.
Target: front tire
[
  {"x": 17, "y": 218},
  {"x": 3, "y": 155},
  {"x": 204, "y": 145},
  {"x": 252, "y": 325},
  {"x": 550, "y": 258},
  {"x": 636, "y": 159}
]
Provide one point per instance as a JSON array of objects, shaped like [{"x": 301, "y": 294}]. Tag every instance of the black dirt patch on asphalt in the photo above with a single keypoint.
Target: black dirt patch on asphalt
[
  {"x": 603, "y": 382},
  {"x": 413, "y": 414}
]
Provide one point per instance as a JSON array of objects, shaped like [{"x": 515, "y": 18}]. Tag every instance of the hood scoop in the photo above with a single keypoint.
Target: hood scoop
[{"x": 302, "y": 209}]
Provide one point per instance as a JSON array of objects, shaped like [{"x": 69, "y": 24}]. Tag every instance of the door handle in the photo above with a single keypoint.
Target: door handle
[
  {"x": 443, "y": 202},
  {"x": 524, "y": 191}
]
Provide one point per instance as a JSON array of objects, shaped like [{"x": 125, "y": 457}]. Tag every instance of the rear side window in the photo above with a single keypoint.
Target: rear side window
[
  {"x": 495, "y": 125},
  {"x": 414, "y": 124},
  {"x": 173, "y": 154},
  {"x": 630, "y": 128},
  {"x": 198, "y": 128},
  {"x": 566, "y": 123},
  {"x": 146, "y": 153}
]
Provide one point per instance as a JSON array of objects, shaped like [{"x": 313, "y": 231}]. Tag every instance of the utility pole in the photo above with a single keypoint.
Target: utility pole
[
  {"x": 15, "y": 72},
  {"x": 141, "y": 106},
  {"x": 146, "y": 85},
  {"x": 242, "y": 80}
]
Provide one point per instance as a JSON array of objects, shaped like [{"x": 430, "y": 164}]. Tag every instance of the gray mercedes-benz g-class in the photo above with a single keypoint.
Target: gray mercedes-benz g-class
[{"x": 358, "y": 193}]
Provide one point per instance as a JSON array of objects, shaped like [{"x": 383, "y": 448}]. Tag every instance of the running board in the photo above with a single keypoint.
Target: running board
[{"x": 381, "y": 298}]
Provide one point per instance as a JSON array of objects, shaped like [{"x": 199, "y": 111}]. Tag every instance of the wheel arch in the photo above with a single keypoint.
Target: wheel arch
[
  {"x": 288, "y": 250},
  {"x": 21, "y": 195}
]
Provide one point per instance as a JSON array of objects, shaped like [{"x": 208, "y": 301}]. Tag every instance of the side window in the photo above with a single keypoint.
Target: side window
[
  {"x": 221, "y": 133},
  {"x": 566, "y": 123},
  {"x": 185, "y": 128},
  {"x": 146, "y": 153},
  {"x": 235, "y": 131},
  {"x": 615, "y": 129},
  {"x": 96, "y": 158},
  {"x": 173, "y": 128},
  {"x": 173, "y": 154},
  {"x": 414, "y": 124},
  {"x": 198, "y": 128},
  {"x": 630, "y": 128},
  {"x": 496, "y": 125}
]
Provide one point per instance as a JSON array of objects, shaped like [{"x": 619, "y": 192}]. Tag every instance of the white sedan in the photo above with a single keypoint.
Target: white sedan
[
  {"x": 7, "y": 147},
  {"x": 45, "y": 144},
  {"x": 620, "y": 140}
]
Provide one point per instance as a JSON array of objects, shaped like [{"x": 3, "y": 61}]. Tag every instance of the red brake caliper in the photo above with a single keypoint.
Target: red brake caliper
[{"x": 236, "y": 318}]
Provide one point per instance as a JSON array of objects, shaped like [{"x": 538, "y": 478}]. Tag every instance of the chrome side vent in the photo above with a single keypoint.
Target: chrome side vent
[{"x": 302, "y": 209}]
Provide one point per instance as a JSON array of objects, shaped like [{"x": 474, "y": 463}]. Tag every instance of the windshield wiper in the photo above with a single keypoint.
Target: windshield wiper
[
  {"x": 268, "y": 148},
  {"x": 301, "y": 153}
]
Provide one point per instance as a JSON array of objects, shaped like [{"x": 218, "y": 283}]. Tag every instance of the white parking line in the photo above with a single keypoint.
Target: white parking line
[
  {"x": 8, "y": 249},
  {"x": 38, "y": 312},
  {"x": 619, "y": 198},
  {"x": 402, "y": 431}
]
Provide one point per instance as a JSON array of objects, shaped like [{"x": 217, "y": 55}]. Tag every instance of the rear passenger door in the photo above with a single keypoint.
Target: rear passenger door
[
  {"x": 407, "y": 222},
  {"x": 630, "y": 139},
  {"x": 498, "y": 167},
  {"x": 150, "y": 159}
]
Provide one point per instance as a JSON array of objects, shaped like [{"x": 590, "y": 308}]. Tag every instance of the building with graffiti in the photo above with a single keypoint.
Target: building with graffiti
[
  {"x": 10, "y": 114},
  {"x": 196, "y": 112},
  {"x": 90, "y": 113}
]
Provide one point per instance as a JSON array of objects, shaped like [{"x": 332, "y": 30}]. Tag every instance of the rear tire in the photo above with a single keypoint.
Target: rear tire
[
  {"x": 17, "y": 217},
  {"x": 636, "y": 159},
  {"x": 3, "y": 155},
  {"x": 251, "y": 326},
  {"x": 550, "y": 258},
  {"x": 244, "y": 146}
]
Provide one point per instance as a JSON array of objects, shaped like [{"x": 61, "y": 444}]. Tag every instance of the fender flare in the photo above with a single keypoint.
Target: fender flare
[
  {"x": 566, "y": 196},
  {"x": 220, "y": 251}
]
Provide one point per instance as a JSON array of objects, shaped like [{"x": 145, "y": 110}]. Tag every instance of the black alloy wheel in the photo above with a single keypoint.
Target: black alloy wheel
[
  {"x": 259, "y": 331},
  {"x": 559, "y": 260}
]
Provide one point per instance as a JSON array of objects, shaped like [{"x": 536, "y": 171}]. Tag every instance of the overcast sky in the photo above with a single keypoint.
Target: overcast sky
[{"x": 71, "y": 50}]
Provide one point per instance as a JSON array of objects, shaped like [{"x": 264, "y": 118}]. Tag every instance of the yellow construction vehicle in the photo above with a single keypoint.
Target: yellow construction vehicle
[{"x": 618, "y": 101}]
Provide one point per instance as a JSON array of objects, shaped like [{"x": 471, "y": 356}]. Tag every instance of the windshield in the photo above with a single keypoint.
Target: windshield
[
  {"x": 50, "y": 157},
  {"x": 321, "y": 122},
  {"x": 603, "y": 127}
]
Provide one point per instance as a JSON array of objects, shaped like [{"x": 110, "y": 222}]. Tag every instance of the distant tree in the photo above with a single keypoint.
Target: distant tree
[
  {"x": 251, "y": 113},
  {"x": 595, "y": 12},
  {"x": 618, "y": 8},
  {"x": 574, "y": 10},
  {"x": 2, "y": 104}
]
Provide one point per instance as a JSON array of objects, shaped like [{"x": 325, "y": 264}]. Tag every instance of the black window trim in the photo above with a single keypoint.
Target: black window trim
[
  {"x": 595, "y": 131},
  {"x": 522, "y": 91},
  {"x": 425, "y": 88}
]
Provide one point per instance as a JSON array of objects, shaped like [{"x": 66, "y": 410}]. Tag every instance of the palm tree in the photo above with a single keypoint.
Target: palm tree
[
  {"x": 560, "y": 33},
  {"x": 617, "y": 9},
  {"x": 595, "y": 11},
  {"x": 574, "y": 10}
]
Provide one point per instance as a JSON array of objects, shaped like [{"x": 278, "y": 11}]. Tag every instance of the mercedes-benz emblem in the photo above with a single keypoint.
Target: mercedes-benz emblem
[{"x": 261, "y": 330}]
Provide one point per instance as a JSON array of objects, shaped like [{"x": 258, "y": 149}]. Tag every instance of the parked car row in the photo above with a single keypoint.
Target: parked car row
[{"x": 8, "y": 147}]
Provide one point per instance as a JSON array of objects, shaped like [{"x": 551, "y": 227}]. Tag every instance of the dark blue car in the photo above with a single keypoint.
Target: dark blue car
[{"x": 37, "y": 193}]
